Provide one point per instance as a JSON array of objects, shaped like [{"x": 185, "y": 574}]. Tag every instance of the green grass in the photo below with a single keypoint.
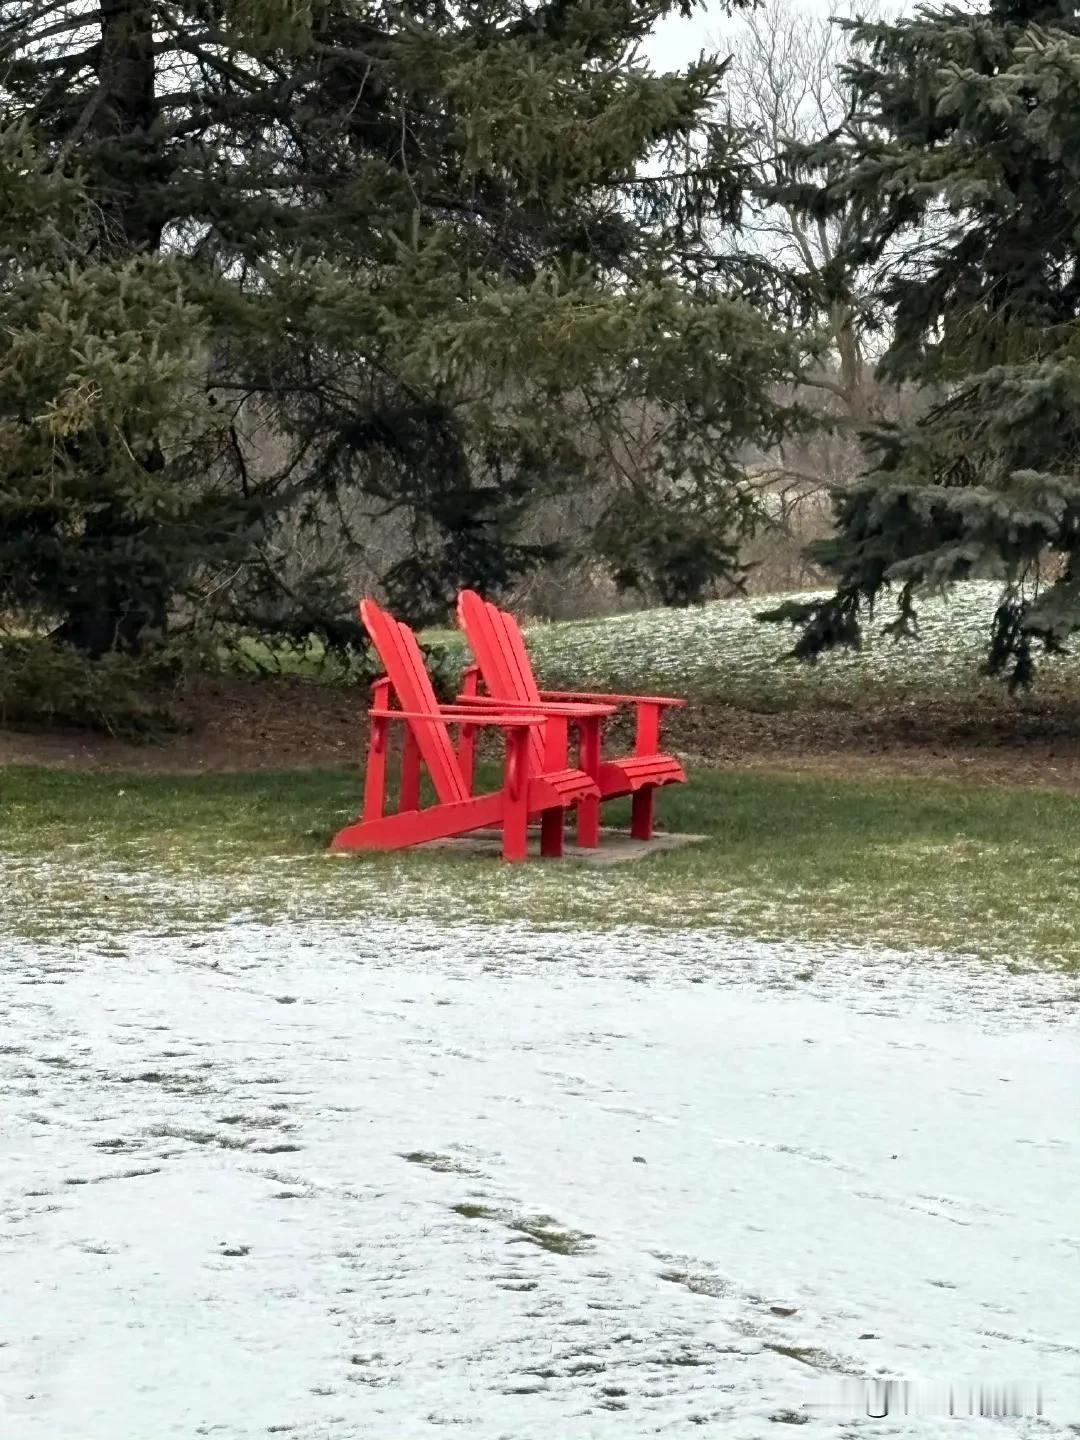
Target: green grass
[
  {"x": 906, "y": 863},
  {"x": 248, "y": 654},
  {"x": 261, "y": 657},
  {"x": 721, "y": 651}
]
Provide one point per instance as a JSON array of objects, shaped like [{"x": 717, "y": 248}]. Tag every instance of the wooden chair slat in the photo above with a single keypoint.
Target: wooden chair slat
[
  {"x": 404, "y": 665},
  {"x": 502, "y": 658},
  {"x": 518, "y": 664},
  {"x": 528, "y": 788}
]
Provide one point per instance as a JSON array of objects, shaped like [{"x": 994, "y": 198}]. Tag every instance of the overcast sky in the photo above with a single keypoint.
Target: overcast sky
[{"x": 676, "y": 41}]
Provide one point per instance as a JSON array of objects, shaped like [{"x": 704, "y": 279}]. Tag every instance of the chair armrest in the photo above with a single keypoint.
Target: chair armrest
[
  {"x": 460, "y": 714},
  {"x": 580, "y": 712},
  {"x": 598, "y": 698}
]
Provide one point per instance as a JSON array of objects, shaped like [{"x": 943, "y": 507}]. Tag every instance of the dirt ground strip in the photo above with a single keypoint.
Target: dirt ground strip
[{"x": 285, "y": 723}]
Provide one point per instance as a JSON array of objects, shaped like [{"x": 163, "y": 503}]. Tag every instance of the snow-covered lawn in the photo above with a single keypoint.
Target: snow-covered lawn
[
  {"x": 393, "y": 1179},
  {"x": 723, "y": 647}
]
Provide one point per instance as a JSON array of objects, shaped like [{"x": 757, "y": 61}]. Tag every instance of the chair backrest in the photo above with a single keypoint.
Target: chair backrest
[
  {"x": 404, "y": 664},
  {"x": 498, "y": 647}
]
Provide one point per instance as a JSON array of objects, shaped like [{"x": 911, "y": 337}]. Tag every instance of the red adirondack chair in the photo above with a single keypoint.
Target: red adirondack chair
[
  {"x": 537, "y": 779},
  {"x": 503, "y": 664}
]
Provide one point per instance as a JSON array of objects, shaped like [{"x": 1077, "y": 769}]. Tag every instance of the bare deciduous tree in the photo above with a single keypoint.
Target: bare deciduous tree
[{"x": 786, "y": 92}]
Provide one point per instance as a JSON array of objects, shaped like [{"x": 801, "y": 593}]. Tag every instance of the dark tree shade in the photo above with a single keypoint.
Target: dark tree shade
[{"x": 261, "y": 257}]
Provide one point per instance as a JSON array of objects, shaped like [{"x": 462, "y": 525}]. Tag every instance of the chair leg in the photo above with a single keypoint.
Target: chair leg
[
  {"x": 410, "y": 775},
  {"x": 588, "y": 823},
  {"x": 641, "y": 813},
  {"x": 515, "y": 833},
  {"x": 551, "y": 833},
  {"x": 467, "y": 755},
  {"x": 515, "y": 820},
  {"x": 588, "y": 815},
  {"x": 375, "y": 774}
]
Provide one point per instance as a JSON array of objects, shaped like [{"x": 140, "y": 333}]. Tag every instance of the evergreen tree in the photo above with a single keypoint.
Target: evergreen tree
[
  {"x": 437, "y": 253},
  {"x": 967, "y": 151}
]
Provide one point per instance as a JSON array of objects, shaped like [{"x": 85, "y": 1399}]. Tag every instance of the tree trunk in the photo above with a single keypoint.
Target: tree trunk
[
  {"x": 97, "y": 623},
  {"x": 860, "y": 392},
  {"x": 114, "y": 606},
  {"x": 116, "y": 600},
  {"x": 127, "y": 108}
]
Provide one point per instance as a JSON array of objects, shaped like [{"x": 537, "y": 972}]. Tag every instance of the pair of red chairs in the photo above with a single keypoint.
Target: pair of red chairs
[{"x": 499, "y": 692}]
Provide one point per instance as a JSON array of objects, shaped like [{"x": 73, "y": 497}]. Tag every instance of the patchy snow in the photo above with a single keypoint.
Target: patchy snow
[
  {"x": 701, "y": 1181},
  {"x": 72, "y": 896},
  {"x": 724, "y": 640}
]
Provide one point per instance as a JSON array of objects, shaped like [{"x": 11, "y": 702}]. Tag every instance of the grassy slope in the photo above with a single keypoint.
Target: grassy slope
[
  {"x": 722, "y": 651},
  {"x": 905, "y": 863}
]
